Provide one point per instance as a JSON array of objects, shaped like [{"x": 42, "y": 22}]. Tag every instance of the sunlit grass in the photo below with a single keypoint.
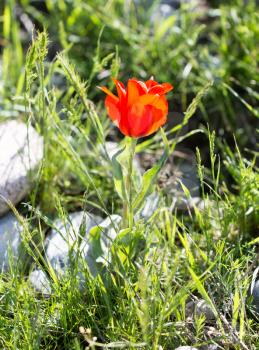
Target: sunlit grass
[{"x": 174, "y": 257}]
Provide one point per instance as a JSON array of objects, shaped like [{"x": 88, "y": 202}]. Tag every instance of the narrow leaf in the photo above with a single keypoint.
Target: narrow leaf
[
  {"x": 118, "y": 175},
  {"x": 150, "y": 175}
]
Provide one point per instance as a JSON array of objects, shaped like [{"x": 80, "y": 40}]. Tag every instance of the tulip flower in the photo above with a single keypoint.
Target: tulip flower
[{"x": 140, "y": 109}]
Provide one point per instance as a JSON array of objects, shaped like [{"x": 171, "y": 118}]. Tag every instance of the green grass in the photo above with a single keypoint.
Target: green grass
[
  {"x": 194, "y": 45},
  {"x": 174, "y": 257}
]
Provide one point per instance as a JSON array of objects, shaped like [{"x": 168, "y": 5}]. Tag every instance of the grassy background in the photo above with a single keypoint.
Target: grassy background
[{"x": 210, "y": 252}]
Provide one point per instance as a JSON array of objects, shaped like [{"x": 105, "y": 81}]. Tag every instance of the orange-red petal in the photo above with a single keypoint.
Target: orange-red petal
[
  {"x": 108, "y": 92},
  {"x": 150, "y": 83},
  {"x": 112, "y": 107},
  {"x": 120, "y": 88},
  {"x": 159, "y": 119},
  {"x": 146, "y": 115},
  {"x": 167, "y": 87},
  {"x": 139, "y": 110},
  {"x": 139, "y": 119},
  {"x": 142, "y": 89},
  {"x": 160, "y": 89},
  {"x": 132, "y": 92},
  {"x": 156, "y": 101}
]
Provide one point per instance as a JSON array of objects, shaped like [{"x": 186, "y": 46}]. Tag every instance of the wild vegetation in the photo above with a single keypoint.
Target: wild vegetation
[{"x": 187, "y": 244}]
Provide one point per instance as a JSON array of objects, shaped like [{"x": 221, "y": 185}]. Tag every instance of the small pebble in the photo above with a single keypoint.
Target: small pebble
[
  {"x": 198, "y": 308},
  {"x": 10, "y": 230},
  {"x": 186, "y": 348},
  {"x": 210, "y": 347}
]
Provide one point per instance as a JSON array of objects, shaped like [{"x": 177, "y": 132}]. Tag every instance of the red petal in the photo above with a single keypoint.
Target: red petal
[
  {"x": 159, "y": 119},
  {"x": 156, "y": 101},
  {"x": 151, "y": 82},
  {"x": 167, "y": 87},
  {"x": 147, "y": 115},
  {"x": 139, "y": 120},
  {"x": 132, "y": 92},
  {"x": 112, "y": 107},
  {"x": 139, "y": 110},
  {"x": 142, "y": 89},
  {"x": 160, "y": 89},
  {"x": 120, "y": 88},
  {"x": 108, "y": 92}
]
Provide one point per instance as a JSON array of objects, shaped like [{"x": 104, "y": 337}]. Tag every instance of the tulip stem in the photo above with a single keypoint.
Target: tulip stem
[{"x": 128, "y": 215}]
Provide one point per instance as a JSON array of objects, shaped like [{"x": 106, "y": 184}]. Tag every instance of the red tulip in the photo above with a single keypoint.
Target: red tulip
[{"x": 140, "y": 109}]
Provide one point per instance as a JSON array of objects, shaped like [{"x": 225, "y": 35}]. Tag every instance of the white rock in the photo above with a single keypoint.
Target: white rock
[
  {"x": 210, "y": 347},
  {"x": 21, "y": 149},
  {"x": 92, "y": 247},
  {"x": 151, "y": 204},
  {"x": 66, "y": 235},
  {"x": 96, "y": 251},
  {"x": 10, "y": 240},
  {"x": 40, "y": 281},
  {"x": 186, "y": 348}
]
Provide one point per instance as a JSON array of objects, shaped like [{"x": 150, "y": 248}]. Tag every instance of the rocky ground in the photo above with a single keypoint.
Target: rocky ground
[{"x": 21, "y": 155}]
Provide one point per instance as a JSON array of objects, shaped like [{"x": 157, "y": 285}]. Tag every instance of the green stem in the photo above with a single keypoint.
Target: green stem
[{"x": 128, "y": 215}]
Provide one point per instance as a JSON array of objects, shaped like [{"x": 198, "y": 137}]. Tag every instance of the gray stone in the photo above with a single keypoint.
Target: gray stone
[
  {"x": 10, "y": 240},
  {"x": 87, "y": 235},
  {"x": 203, "y": 308},
  {"x": 162, "y": 11},
  {"x": 199, "y": 308},
  {"x": 255, "y": 289},
  {"x": 77, "y": 235},
  {"x": 40, "y": 281},
  {"x": 21, "y": 150},
  {"x": 183, "y": 177},
  {"x": 186, "y": 347},
  {"x": 210, "y": 347},
  {"x": 66, "y": 235},
  {"x": 178, "y": 178},
  {"x": 151, "y": 204},
  {"x": 96, "y": 250}
]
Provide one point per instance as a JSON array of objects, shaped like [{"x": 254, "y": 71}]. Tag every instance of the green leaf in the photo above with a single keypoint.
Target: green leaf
[
  {"x": 185, "y": 243},
  {"x": 254, "y": 111},
  {"x": 98, "y": 248},
  {"x": 198, "y": 284},
  {"x": 254, "y": 241},
  {"x": 7, "y": 22},
  {"x": 128, "y": 245},
  {"x": 165, "y": 26},
  {"x": 185, "y": 190},
  {"x": 118, "y": 174},
  {"x": 150, "y": 176},
  {"x": 235, "y": 308}
]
